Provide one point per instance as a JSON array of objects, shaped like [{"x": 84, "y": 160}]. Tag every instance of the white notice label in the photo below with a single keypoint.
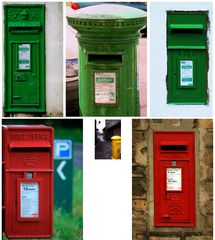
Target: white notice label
[
  {"x": 105, "y": 87},
  {"x": 24, "y": 56},
  {"x": 186, "y": 73},
  {"x": 173, "y": 179},
  {"x": 29, "y": 199}
]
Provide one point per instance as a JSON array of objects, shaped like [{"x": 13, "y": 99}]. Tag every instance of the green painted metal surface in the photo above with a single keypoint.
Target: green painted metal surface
[
  {"x": 108, "y": 35},
  {"x": 187, "y": 57},
  {"x": 24, "y": 58}
]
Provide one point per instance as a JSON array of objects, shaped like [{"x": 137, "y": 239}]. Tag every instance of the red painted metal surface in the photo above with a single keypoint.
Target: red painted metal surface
[
  {"x": 28, "y": 181},
  {"x": 174, "y": 179}
]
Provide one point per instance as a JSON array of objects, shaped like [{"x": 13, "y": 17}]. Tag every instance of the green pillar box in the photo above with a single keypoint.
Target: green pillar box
[
  {"x": 108, "y": 35},
  {"x": 187, "y": 57},
  {"x": 24, "y": 57}
]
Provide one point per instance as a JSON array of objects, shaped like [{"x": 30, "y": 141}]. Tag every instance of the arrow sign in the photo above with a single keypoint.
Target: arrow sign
[{"x": 60, "y": 172}]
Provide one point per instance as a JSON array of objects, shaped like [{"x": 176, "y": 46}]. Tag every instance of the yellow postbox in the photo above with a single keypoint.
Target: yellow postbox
[{"x": 116, "y": 147}]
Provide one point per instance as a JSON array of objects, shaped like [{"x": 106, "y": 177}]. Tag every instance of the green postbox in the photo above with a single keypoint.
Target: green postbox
[
  {"x": 108, "y": 35},
  {"x": 24, "y": 57},
  {"x": 187, "y": 57}
]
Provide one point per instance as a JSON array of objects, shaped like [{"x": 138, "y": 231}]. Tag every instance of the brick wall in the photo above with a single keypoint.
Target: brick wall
[{"x": 142, "y": 177}]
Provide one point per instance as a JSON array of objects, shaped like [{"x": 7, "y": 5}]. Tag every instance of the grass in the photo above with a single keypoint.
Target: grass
[{"x": 69, "y": 226}]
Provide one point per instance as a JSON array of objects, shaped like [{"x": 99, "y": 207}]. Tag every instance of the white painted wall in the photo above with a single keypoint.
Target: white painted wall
[
  {"x": 158, "y": 61},
  {"x": 54, "y": 60}
]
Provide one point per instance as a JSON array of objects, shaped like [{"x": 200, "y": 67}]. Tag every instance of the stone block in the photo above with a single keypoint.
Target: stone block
[
  {"x": 135, "y": 123},
  {"x": 138, "y": 214},
  {"x": 199, "y": 238},
  {"x": 140, "y": 236},
  {"x": 208, "y": 157},
  {"x": 164, "y": 238},
  {"x": 138, "y": 170},
  {"x": 155, "y": 121},
  {"x": 188, "y": 123},
  {"x": 208, "y": 139},
  {"x": 140, "y": 154},
  {"x": 209, "y": 174},
  {"x": 144, "y": 124},
  {"x": 210, "y": 221},
  {"x": 172, "y": 122},
  {"x": 138, "y": 224},
  {"x": 209, "y": 207},
  {"x": 137, "y": 136},
  {"x": 204, "y": 123},
  {"x": 209, "y": 188},
  {"x": 139, "y": 187},
  {"x": 140, "y": 205}
]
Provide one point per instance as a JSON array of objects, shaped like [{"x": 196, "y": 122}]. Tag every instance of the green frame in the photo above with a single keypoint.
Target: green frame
[
  {"x": 34, "y": 33},
  {"x": 188, "y": 41}
]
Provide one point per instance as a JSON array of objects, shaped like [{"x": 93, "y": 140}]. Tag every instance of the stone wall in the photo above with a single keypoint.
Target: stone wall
[{"x": 143, "y": 205}]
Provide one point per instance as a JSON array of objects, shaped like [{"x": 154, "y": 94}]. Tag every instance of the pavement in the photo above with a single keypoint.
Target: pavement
[{"x": 103, "y": 150}]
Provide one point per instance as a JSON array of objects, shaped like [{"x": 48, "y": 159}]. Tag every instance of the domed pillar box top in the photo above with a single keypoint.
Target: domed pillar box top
[{"x": 108, "y": 21}]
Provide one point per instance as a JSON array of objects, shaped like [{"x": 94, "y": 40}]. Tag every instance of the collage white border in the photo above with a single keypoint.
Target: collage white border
[{"x": 107, "y": 186}]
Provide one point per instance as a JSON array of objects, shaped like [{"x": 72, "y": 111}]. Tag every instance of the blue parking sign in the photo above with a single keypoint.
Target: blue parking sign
[{"x": 62, "y": 149}]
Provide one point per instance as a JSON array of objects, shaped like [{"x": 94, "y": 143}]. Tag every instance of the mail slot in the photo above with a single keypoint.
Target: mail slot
[
  {"x": 28, "y": 181},
  {"x": 24, "y": 58},
  {"x": 174, "y": 179},
  {"x": 108, "y": 35},
  {"x": 187, "y": 57}
]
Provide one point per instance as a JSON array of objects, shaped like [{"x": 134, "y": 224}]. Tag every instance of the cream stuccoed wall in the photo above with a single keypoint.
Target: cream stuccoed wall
[
  {"x": 158, "y": 61},
  {"x": 54, "y": 59}
]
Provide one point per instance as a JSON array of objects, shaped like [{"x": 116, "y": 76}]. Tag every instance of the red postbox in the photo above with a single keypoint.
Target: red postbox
[
  {"x": 174, "y": 179},
  {"x": 28, "y": 181}
]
